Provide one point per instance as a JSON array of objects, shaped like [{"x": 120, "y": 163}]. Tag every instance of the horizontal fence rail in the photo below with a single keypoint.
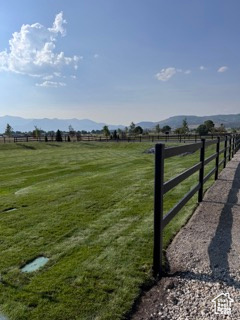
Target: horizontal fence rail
[
  {"x": 120, "y": 137},
  {"x": 231, "y": 146}
]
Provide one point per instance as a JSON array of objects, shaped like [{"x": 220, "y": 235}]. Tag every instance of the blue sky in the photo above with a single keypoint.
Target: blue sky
[{"x": 118, "y": 61}]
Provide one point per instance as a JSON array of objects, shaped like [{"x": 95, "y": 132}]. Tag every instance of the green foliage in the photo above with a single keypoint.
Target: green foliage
[
  {"x": 106, "y": 131},
  {"x": 185, "y": 127},
  {"x": 8, "y": 130},
  {"x": 166, "y": 129},
  {"x": 178, "y": 131},
  {"x": 132, "y": 127},
  {"x": 58, "y": 136},
  {"x": 209, "y": 125},
  {"x": 157, "y": 128},
  {"x": 114, "y": 135},
  {"x": 138, "y": 130},
  {"x": 202, "y": 129},
  {"x": 36, "y": 132}
]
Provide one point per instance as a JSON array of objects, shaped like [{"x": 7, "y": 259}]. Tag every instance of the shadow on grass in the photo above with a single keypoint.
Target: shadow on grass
[
  {"x": 26, "y": 146},
  {"x": 48, "y": 295},
  {"x": 53, "y": 144}
]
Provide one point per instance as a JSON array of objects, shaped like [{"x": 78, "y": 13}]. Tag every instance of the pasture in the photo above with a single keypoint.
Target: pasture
[{"x": 88, "y": 207}]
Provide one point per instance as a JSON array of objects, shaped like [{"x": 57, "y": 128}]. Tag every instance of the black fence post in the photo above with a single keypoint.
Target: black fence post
[
  {"x": 201, "y": 171},
  {"x": 225, "y": 152},
  {"x": 217, "y": 158},
  {"x": 158, "y": 209},
  {"x": 233, "y": 146},
  {"x": 230, "y": 148}
]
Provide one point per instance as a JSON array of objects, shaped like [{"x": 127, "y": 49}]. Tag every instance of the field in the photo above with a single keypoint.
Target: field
[{"x": 88, "y": 207}]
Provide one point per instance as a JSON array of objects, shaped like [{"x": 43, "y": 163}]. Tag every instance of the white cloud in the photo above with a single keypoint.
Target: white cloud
[
  {"x": 58, "y": 24},
  {"x": 202, "y": 68},
  {"x": 32, "y": 50},
  {"x": 96, "y": 56},
  {"x": 50, "y": 77},
  {"x": 222, "y": 69},
  {"x": 51, "y": 84},
  {"x": 166, "y": 74}
]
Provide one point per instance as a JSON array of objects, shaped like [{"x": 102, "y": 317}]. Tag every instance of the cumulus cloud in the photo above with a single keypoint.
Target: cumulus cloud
[
  {"x": 166, "y": 74},
  {"x": 202, "y": 68},
  {"x": 187, "y": 71},
  {"x": 32, "y": 50},
  {"x": 223, "y": 69}
]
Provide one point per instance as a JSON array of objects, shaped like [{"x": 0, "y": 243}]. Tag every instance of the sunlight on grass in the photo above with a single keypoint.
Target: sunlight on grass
[{"x": 88, "y": 207}]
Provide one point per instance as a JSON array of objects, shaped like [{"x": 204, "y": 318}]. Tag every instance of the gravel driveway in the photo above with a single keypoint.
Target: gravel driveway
[{"x": 204, "y": 259}]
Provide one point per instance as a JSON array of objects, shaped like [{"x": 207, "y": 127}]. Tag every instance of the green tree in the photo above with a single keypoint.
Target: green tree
[
  {"x": 58, "y": 136},
  {"x": 185, "y": 126},
  {"x": 36, "y": 132},
  {"x": 132, "y": 127},
  {"x": 8, "y": 130},
  {"x": 210, "y": 125},
  {"x": 115, "y": 135},
  {"x": 138, "y": 130},
  {"x": 202, "y": 129},
  {"x": 179, "y": 130},
  {"x": 71, "y": 131},
  {"x": 157, "y": 128},
  {"x": 166, "y": 129},
  {"x": 106, "y": 131}
]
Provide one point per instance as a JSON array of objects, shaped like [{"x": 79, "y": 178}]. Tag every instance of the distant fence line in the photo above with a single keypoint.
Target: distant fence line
[
  {"x": 230, "y": 145},
  {"x": 101, "y": 138}
]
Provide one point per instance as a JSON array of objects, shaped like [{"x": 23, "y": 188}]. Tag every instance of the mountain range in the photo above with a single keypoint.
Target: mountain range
[
  {"x": 228, "y": 120},
  {"x": 46, "y": 124}
]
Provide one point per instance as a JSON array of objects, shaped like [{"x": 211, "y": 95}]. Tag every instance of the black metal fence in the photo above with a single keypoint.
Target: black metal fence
[
  {"x": 231, "y": 145},
  {"x": 127, "y": 138}
]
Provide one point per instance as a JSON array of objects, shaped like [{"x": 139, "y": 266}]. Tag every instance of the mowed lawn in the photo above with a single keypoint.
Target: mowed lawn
[{"x": 88, "y": 207}]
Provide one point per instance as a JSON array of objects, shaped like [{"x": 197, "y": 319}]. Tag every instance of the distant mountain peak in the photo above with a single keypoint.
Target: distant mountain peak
[
  {"x": 229, "y": 120},
  {"x": 47, "y": 124}
]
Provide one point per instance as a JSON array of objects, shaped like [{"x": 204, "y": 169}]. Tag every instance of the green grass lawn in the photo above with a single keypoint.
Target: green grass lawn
[{"x": 88, "y": 207}]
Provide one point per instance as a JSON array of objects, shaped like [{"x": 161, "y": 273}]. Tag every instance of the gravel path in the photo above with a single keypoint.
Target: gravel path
[{"x": 204, "y": 258}]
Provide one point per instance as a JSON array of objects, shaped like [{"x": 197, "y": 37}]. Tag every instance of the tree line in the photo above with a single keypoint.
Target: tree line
[{"x": 208, "y": 127}]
